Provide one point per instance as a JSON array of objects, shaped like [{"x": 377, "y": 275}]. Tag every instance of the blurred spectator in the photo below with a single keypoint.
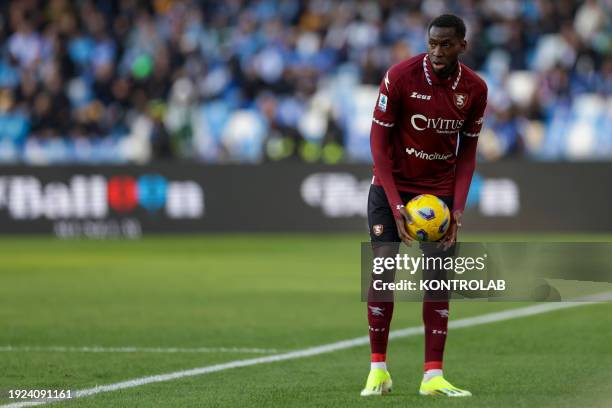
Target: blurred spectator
[{"x": 270, "y": 80}]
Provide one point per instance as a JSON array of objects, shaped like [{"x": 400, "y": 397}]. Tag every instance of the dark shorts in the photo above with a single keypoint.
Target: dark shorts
[
  {"x": 381, "y": 223},
  {"x": 383, "y": 230}
]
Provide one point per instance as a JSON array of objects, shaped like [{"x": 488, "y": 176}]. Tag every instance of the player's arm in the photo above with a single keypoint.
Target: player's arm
[
  {"x": 381, "y": 132},
  {"x": 465, "y": 165}
]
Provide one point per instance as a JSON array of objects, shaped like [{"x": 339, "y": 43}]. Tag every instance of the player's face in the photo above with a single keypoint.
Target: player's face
[{"x": 444, "y": 48}]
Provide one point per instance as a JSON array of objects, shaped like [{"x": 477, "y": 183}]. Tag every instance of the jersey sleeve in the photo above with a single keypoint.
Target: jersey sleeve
[
  {"x": 387, "y": 103},
  {"x": 466, "y": 155},
  {"x": 381, "y": 133},
  {"x": 473, "y": 124}
]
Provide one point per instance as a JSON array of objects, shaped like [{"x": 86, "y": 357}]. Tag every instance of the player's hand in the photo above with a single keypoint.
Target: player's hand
[
  {"x": 402, "y": 230},
  {"x": 451, "y": 235}
]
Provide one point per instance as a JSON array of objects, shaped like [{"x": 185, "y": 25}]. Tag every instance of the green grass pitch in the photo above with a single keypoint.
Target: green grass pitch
[{"x": 281, "y": 292}]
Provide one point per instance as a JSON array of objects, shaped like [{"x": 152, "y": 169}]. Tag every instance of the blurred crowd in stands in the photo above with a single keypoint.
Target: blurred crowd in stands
[{"x": 113, "y": 81}]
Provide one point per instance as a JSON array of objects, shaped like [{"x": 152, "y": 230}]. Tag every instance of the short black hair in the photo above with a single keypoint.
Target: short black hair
[{"x": 450, "y": 21}]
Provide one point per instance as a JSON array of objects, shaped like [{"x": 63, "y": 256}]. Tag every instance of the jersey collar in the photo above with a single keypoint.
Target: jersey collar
[{"x": 432, "y": 79}]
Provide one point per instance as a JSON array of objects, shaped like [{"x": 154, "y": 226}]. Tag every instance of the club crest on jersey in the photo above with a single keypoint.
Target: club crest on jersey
[
  {"x": 460, "y": 100},
  {"x": 382, "y": 102},
  {"x": 378, "y": 229}
]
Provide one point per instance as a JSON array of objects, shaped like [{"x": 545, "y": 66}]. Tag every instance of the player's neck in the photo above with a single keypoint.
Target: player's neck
[{"x": 446, "y": 74}]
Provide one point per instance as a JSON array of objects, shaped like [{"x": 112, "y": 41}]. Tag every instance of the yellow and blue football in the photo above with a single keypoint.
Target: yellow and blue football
[{"x": 430, "y": 216}]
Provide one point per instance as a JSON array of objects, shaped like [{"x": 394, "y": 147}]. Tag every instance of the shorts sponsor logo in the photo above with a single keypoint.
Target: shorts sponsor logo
[
  {"x": 378, "y": 229},
  {"x": 420, "y": 154}
]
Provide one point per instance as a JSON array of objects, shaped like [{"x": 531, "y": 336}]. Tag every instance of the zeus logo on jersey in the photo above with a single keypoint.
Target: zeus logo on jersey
[
  {"x": 419, "y": 154},
  {"x": 441, "y": 125},
  {"x": 417, "y": 95}
]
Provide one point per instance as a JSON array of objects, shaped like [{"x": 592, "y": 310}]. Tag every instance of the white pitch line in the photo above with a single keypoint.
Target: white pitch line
[
  {"x": 326, "y": 348},
  {"x": 98, "y": 349}
]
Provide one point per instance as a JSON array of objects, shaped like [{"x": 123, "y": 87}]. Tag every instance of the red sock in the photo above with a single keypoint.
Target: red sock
[
  {"x": 432, "y": 365},
  {"x": 435, "y": 319},
  {"x": 378, "y": 358},
  {"x": 379, "y": 320}
]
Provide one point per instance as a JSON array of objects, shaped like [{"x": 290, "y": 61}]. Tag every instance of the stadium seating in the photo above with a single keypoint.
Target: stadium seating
[{"x": 115, "y": 82}]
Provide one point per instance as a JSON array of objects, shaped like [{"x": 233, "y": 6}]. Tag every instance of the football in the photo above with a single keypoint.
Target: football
[{"x": 431, "y": 218}]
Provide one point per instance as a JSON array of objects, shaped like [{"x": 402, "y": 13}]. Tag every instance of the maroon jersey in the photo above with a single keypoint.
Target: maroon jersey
[{"x": 425, "y": 115}]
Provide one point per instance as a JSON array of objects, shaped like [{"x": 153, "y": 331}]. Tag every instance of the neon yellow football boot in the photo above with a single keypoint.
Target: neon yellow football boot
[
  {"x": 378, "y": 383},
  {"x": 438, "y": 386}
]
